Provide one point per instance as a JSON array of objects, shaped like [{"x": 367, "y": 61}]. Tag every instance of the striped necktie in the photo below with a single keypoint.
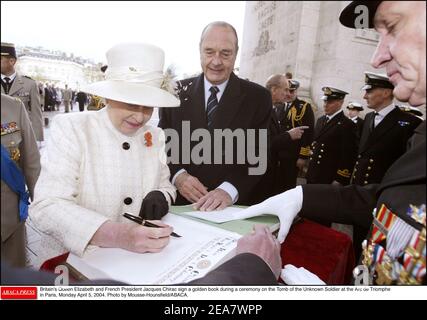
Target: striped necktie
[
  {"x": 212, "y": 104},
  {"x": 7, "y": 86}
]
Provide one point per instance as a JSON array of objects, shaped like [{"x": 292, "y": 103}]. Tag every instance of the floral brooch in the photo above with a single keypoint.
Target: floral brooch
[{"x": 148, "y": 139}]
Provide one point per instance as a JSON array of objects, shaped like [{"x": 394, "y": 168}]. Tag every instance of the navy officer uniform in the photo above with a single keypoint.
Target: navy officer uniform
[
  {"x": 294, "y": 114},
  {"x": 384, "y": 140},
  {"x": 334, "y": 149}
]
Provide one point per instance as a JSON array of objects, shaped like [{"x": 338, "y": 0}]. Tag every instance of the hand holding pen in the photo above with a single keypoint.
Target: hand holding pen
[{"x": 146, "y": 223}]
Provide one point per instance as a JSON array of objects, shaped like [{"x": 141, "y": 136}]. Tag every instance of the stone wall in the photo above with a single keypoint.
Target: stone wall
[{"x": 306, "y": 38}]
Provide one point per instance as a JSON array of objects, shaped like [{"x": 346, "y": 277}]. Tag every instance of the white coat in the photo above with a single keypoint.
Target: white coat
[{"x": 86, "y": 176}]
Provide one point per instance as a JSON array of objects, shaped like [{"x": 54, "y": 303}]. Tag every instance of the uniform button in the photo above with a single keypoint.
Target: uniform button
[
  {"x": 128, "y": 201},
  {"x": 367, "y": 175},
  {"x": 365, "y": 182},
  {"x": 320, "y": 156},
  {"x": 371, "y": 160},
  {"x": 357, "y": 162},
  {"x": 369, "y": 168},
  {"x": 355, "y": 170},
  {"x": 321, "y": 150},
  {"x": 311, "y": 158},
  {"x": 126, "y": 145},
  {"x": 318, "y": 162},
  {"x": 323, "y": 144},
  {"x": 359, "y": 156}
]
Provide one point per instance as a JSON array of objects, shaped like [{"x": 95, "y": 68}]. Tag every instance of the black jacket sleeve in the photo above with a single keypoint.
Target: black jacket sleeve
[{"x": 351, "y": 204}]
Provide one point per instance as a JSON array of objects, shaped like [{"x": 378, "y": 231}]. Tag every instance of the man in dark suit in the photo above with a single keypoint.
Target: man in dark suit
[
  {"x": 386, "y": 133},
  {"x": 354, "y": 109},
  {"x": 335, "y": 142},
  {"x": 398, "y": 229},
  {"x": 217, "y": 99},
  {"x": 295, "y": 113}
]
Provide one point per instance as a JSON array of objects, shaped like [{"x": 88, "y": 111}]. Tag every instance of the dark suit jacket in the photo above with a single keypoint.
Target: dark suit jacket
[
  {"x": 243, "y": 105},
  {"x": 383, "y": 146},
  {"x": 243, "y": 269},
  {"x": 272, "y": 182},
  {"x": 359, "y": 124},
  {"x": 334, "y": 150},
  {"x": 403, "y": 184}
]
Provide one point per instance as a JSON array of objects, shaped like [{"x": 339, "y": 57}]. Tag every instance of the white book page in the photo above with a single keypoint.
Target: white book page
[{"x": 199, "y": 250}]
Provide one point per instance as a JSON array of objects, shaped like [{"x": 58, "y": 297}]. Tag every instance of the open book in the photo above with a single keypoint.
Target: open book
[
  {"x": 228, "y": 219},
  {"x": 201, "y": 248}
]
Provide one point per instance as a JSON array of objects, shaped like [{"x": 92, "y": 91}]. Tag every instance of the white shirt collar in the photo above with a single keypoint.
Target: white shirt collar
[
  {"x": 354, "y": 119},
  {"x": 333, "y": 115},
  {"x": 386, "y": 110},
  {"x": 11, "y": 77},
  {"x": 208, "y": 85},
  {"x": 383, "y": 113}
]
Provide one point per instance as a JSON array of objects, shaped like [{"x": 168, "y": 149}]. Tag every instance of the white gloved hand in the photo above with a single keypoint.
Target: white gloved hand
[
  {"x": 285, "y": 205},
  {"x": 292, "y": 275}
]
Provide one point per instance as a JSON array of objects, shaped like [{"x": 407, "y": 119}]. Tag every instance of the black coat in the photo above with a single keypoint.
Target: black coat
[
  {"x": 81, "y": 97},
  {"x": 244, "y": 105},
  {"x": 334, "y": 150},
  {"x": 382, "y": 146},
  {"x": 273, "y": 180},
  {"x": 359, "y": 124}
]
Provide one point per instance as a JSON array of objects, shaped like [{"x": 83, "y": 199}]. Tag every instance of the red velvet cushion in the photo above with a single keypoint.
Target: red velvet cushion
[{"x": 321, "y": 250}]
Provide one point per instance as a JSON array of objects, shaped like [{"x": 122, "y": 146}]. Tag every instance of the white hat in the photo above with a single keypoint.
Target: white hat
[{"x": 135, "y": 75}]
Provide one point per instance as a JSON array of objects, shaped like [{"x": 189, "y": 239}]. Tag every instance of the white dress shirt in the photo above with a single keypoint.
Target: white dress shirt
[
  {"x": 383, "y": 113},
  {"x": 329, "y": 118}
]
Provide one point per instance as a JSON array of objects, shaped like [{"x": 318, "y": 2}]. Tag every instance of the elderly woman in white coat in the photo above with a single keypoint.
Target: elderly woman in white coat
[{"x": 98, "y": 165}]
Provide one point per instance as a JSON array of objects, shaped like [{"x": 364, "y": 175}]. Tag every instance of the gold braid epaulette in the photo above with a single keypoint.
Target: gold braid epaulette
[{"x": 296, "y": 117}]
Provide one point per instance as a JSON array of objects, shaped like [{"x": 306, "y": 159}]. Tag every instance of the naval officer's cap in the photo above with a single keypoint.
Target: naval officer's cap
[
  {"x": 355, "y": 106},
  {"x": 376, "y": 80},
  {"x": 331, "y": 93},
  {"x": 293, "y": 84}
]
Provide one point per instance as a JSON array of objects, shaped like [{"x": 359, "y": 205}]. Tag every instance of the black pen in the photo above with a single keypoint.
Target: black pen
[{"x": 146, "y": 223}]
